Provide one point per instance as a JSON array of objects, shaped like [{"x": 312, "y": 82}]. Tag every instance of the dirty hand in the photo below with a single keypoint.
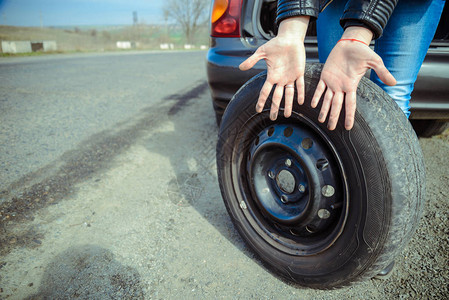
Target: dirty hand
[
  {"x": 285, "y": 58},
  {"x": 342, "y": 72}
]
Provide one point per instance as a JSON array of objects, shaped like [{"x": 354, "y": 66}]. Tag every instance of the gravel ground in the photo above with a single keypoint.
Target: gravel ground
[{"x": 135, "y": 211}]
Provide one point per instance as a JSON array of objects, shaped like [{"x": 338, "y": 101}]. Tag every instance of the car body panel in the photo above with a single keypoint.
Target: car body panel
[{"x": 430, "y": 98}]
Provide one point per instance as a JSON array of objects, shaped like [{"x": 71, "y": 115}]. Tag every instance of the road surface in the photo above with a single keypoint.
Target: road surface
[{"x": 108, "y": 189}]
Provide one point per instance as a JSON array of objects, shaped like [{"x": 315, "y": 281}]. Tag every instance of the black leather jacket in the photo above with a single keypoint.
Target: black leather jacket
[{"x": 371, "y": 14}]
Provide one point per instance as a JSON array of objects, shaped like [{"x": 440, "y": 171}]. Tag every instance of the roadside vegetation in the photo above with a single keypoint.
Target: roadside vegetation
[{"x": 104, "y": 38}]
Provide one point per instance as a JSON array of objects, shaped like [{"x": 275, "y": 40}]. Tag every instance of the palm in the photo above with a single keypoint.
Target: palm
[
  {"x": 344, "y": 68},
  {"x": 285, "y": 59}
]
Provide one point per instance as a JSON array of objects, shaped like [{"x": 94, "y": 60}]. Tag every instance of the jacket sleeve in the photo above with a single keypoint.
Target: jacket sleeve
[
  {"x": 294, "y": 8},
  {"x": 371, "y": 14}
]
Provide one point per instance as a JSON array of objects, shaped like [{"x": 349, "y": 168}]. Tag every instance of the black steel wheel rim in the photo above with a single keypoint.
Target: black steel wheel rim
[{"x": 291, "y": 183}]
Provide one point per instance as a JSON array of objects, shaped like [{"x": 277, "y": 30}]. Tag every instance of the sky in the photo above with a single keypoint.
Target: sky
[{"x": 79, "y": 12}]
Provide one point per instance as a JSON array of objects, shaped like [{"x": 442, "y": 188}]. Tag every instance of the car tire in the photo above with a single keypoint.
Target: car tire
[
  {"x": 321, "y": 208},
  {"x": 429, "y": 128}
]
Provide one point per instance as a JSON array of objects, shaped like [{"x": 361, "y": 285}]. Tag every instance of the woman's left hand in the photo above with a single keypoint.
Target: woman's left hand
[{"x": 342, "y": 72}]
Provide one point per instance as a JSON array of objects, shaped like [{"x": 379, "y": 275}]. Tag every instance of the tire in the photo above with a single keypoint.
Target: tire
[
  {"x": 429, "y": 128},
  {"x": 321, "y": 208}
]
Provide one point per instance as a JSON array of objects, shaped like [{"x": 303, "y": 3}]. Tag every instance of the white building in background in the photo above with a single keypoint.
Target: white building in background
[
  {"x": 167, "y": 46},
  {"x": 16, "y": 46},
  {"x": 123, "y": 44},
  {"x": 50, "y": 46}
]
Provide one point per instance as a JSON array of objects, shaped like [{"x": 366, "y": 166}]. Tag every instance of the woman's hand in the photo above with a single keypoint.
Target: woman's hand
[
  {"x": 285, "y": 57},
  {"x": 345, "y": 66}
]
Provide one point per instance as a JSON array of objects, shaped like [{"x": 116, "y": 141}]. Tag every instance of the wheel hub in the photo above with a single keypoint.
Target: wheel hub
[{"x": 295, "y": 183}]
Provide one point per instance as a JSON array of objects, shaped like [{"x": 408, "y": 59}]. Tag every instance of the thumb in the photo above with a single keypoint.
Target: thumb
[
  {"x": 383, "y": 73},
  {"x": 250, "y": 61}
]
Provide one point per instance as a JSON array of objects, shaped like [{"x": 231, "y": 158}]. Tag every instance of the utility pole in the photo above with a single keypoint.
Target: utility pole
[
  {"x": 134, "y": 18},
  {"x": 136, "y": 28},
  {"x": 167, "y": 34}
]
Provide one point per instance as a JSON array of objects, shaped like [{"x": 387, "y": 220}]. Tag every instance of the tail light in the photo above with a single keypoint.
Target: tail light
[{"x": 225, "y": 18}]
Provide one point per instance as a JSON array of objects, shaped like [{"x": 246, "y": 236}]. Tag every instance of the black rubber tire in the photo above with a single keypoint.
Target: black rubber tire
[
  {"x": 429, "y": 128},
  {"x": 380, "y": 181}
]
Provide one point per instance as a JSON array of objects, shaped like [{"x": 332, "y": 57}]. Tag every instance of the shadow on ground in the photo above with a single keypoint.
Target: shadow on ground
[
  {"x": 194, "y": 182},
  {"x": 58, "y": 180},
  {"x": 89, "y": 272}
]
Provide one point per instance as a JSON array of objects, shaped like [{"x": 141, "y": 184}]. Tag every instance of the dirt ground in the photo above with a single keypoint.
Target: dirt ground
[{"x": 146, "y": 220}]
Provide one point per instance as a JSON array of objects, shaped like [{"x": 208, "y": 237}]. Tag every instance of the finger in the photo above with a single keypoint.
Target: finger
[
  {"x": 263, "y": 95},
  {"x": 300, "y": 89},
  {"x": 318, "y": 92},
  {"x": 325, "y": 106},
  {"x": 276, "y": 102},
  {"x": 251, "y": 61},
  {"x": 289, "y": 94},
  {"x": 334, "y": 115},
  {"x": 383, "y": 73},
  {"x": 350, "y": 106}
]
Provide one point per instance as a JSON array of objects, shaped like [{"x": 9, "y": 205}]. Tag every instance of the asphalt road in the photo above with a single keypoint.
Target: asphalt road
[
  {"x": 50, "y": 104},
  {"x": 108, "y": 189}
]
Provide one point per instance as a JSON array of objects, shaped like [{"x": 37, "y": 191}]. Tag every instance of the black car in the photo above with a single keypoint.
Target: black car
[
  {"x": 242, "y": 26},
  {"x": 320, "y": 208}
]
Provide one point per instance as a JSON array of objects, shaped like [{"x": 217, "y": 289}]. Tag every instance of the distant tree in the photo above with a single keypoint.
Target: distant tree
[{"x": 190, "y": 14}]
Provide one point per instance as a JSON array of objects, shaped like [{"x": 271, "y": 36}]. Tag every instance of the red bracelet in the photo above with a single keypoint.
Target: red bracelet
[{"x": 353, "y": 40}]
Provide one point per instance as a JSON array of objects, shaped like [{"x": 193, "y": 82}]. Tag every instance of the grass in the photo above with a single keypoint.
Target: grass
[
  {"x": 40, "y": 53},
  {"x": 101, "y": 38}
]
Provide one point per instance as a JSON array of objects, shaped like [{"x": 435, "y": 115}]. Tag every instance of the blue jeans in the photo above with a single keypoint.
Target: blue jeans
[{"x": 403, "y": 45}]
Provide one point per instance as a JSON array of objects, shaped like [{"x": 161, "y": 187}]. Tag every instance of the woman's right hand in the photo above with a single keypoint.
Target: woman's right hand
[{"x": 285, "y": 57}]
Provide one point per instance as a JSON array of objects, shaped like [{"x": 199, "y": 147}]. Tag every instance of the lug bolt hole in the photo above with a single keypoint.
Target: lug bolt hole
[
  {"x": 322, "y": 164},
  {"x": 288, "y": 131},
  {"x": 295, "y": 232},
  {"x": 284, "y": 199},
  {"x": 311, "y": 228},
  {"x": 327, "y": 191},
  {"x": 324, "y": 214},
  {"x": 307, "y": 143},
  {"x": 288, "y": 162},
  {"x": 271, "y": 174},
  {"x": 270, "y": 131}
]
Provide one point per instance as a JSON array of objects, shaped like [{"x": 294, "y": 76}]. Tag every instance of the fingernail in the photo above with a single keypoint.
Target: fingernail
[{"x": 273, "y": 117}]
